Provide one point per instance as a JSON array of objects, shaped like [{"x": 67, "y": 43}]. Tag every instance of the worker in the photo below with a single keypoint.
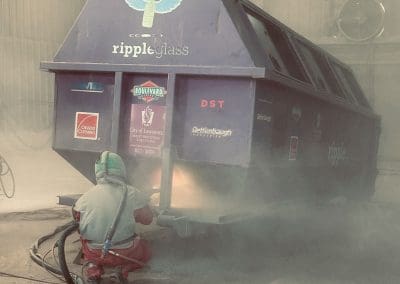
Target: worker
[{"x": 107, "y": 214}]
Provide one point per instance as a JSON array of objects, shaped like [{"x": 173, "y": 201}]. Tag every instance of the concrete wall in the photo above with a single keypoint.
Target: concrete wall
[
  {"x": 307, "y": 17},
  {"x": 30, "y": 31}
]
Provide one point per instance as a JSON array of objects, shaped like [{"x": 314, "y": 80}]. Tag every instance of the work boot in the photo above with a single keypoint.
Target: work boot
[
  {"x": 116, "y": 277},
  {"x": 92, "y": 273},
  {"x": 92, "y": 281}
]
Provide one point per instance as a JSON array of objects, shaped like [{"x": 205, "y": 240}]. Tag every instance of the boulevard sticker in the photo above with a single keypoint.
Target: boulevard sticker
[{"x": 149, "y": 92}]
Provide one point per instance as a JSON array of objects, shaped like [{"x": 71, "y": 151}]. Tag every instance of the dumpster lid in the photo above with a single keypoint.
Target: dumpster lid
[
  {"x": 161, "y": 33},
  {"x": 207, "y": 37}
]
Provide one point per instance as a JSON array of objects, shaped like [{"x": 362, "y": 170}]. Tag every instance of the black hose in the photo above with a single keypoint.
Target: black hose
[
  {"x": 70, "y": 227},
  {"x": 61, "y": 252},
  {"x": 111, "y": 231},
  {"x": 34, "y": 248}
]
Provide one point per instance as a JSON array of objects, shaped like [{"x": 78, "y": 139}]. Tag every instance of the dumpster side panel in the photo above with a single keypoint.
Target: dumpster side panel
[
  {"x": 143, "y": 111},
  {"x": 83, "y": 111},
  {"x": 81, "y": 161},
  {"x": 317, "y": 148},
  {"x": 262, "y": 127},
  {"x": 213, "y": 119}
]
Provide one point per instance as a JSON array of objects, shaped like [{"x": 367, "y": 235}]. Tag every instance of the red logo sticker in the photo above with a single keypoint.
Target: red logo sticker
[{"x": 86, "y": 125}]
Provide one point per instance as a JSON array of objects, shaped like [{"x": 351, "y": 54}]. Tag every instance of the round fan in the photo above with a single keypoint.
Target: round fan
[{"x": 361, "y": 20}]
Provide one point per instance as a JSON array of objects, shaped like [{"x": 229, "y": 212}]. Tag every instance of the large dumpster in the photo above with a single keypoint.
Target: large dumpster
[{"x": 214, "y": 101}]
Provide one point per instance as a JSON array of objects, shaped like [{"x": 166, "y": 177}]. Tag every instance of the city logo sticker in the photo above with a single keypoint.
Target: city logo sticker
[
  {"x": 146, "y": 130},
  {"x": 152, "y": 7},
  {"x": 147, "y": 116},
  {"x": 86, "y": 125},
  {"x": 149, "y": 92}
]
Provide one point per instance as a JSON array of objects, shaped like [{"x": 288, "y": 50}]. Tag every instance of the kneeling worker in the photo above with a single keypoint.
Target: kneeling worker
[{"x": 107, "y": 214}]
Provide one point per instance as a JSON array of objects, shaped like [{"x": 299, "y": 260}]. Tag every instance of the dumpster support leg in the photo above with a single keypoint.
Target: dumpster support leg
[
  {"x": 116, "y": 112},
  {"x": 167, "y": 153}
]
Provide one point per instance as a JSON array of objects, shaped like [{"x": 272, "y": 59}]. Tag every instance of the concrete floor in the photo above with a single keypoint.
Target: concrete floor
[
  {"x": 351, "y": 244},
  {"x": 348, "y": 243}
]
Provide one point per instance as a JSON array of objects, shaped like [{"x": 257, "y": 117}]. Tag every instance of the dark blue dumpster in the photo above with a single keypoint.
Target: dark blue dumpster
[{"x": 219, "y": 104}]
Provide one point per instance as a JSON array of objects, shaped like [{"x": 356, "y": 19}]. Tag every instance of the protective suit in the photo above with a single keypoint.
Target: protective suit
[{"x": 112, "y": 203}]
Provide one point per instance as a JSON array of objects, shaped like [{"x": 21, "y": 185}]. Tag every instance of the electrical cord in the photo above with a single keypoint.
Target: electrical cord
[
  {"x": 5, "y": 169},
  {"x": 54, "y": 253},
  {"x": 33, "y": 251},
  {"x": 5, "y": 274},
  {"x": 53, "y": 274}
]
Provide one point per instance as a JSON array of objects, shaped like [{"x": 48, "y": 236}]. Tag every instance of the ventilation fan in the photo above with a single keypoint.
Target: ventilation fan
[{"x": 361, "y": 20}]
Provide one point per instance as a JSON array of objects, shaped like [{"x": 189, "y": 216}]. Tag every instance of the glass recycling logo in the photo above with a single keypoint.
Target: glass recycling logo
[
  {"x": 144, "y": 43},
  {"x": 151, "y": 7}
]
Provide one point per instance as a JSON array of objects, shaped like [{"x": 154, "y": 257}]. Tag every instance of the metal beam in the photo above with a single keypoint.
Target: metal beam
[
  {"x": 168, "y": 154},
  {"x": 254, "y": 72},
  {"x": 115, "y": 121}
]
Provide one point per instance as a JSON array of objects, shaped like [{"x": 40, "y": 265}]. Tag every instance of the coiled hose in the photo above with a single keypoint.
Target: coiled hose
[
  {"x": 67, "y": 230},
  {"x": 61, "y": 252}
]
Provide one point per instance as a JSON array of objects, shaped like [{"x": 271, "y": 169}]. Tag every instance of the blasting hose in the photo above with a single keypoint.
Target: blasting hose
[
  {"x": 111, "y": 231},
  {"x": 67, "y": 229},
  {"x": 61, "y": 252}
]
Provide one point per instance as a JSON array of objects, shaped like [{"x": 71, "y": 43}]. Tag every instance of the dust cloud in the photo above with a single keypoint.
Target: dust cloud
[{"x": 300, "y": 243}]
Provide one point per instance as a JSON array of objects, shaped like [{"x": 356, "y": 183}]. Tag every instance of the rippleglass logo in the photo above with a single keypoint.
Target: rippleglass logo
[{"x": 151, "y": 7}]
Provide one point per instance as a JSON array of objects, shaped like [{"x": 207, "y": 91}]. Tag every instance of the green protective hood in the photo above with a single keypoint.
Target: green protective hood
[{"x": 110, "y": 164}]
